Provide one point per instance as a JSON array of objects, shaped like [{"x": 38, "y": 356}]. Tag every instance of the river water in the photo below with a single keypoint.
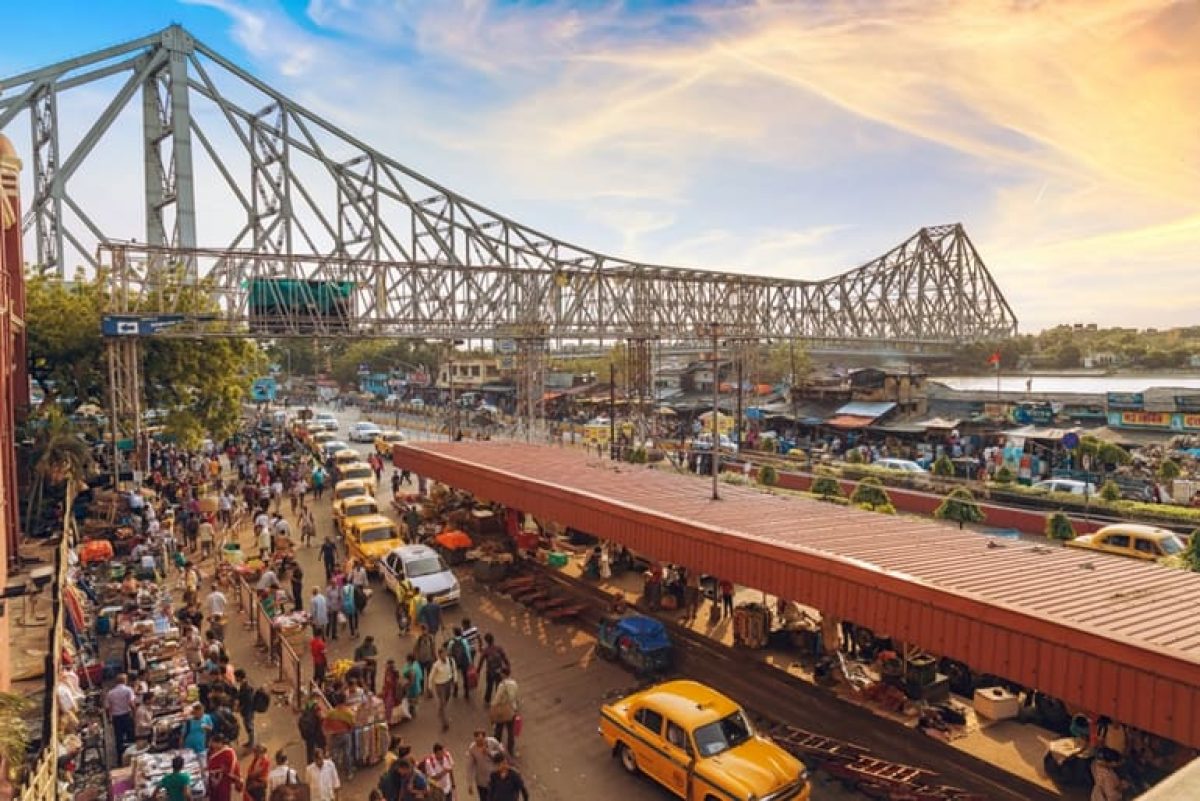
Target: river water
[{"x": 1073, "y": 383}]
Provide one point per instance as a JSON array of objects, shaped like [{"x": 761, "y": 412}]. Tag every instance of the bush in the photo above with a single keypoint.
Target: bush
[
  {"x": 768, "y": 445},
  {"x": 638, "y": 456},
  {"x": 883, "y": 508},
  {"x": 943, "y": 467},
  {"x": 767, "y": 476},
  {"x": 960, "y": 506},
  {"x": 854, "y": 456},
  {"x": 1004, "y": 475},
  {"x": 1058, "y": 527},
  {"x": 1191, "y": 555},
  {"x": 827, "y": 487},
  {"x": 1169, "y": 470},
  {"x": 870, "y": 494},
  {"x": 1109, "y": 491}
]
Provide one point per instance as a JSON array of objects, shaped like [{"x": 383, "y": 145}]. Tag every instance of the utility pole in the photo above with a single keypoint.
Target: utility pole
[
  {"x": 716, "y": 437},
  {"x": 612, "y": 410},
  {"x": 737, "y": 420},
  {"x": 452, "y": 422}
]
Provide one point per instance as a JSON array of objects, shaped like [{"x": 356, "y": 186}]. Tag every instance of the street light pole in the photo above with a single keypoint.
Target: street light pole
[
  {"x": 716, "y": 437},
  {"x": 452, "y": 423},
  {"x": 612, "y": 411}
]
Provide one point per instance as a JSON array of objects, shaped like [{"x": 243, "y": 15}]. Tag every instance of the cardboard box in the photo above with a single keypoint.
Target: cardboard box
[{"x": 995, "y": 703}]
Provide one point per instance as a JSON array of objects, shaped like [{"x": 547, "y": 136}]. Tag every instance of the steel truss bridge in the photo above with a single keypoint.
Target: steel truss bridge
[
  {"x": 308, "y": 231},
  {"x": 284, "y": 194}
]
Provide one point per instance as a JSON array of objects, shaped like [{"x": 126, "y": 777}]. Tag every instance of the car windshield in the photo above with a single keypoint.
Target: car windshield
[
  {"x": 361, "y": 509},
  {"x": 1171, "y": 545},
  {"x": 381, "y": 534},
  {"x": 351, "y": 492},
  {"x": 719, "y": 737},
  {"x": 426, "y": 566},
  {"x": 358, "y": 472}
]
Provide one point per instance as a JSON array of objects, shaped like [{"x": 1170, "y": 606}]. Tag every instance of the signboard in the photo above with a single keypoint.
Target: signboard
[
  {"x": 1191, "y": 422},
  {"x": 1126, "y": 400},
  {"x": 507, "y": 363},
  {"x": 112, "y": 325},
  {"x": 1026, "y": 414},
  {"x": 1146, "y": 419},
  {"x": 506, "y": 346}
]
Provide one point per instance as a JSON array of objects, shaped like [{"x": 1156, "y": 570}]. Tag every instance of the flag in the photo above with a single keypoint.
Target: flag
[{"x": 994, "y": 359}]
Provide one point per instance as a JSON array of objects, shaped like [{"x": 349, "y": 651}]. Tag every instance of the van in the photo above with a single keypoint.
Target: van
[{"x": 425, "y": 569}]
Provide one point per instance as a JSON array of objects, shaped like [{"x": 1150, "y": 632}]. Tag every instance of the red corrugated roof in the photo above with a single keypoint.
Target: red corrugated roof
[
  {"x": 849, "y": 421},
  {"x": 1108, "y": 635}
]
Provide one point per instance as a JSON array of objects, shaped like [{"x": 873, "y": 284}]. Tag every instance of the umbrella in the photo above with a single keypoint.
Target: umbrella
[{"x": 453, "y": 540}]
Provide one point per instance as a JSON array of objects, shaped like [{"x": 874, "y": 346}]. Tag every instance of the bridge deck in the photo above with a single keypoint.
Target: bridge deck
[{"x": 1104, "y": 634}]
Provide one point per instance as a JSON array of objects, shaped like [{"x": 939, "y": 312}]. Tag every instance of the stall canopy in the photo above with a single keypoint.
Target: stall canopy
[
  {"x": 858, "y": 414},
  {"x": 1046, "y": 434}
]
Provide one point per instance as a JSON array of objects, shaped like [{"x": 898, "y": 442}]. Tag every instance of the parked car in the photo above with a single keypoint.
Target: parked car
[
  {"x": 1070, "y": 486},
  {"x": 703, "y": 442},
  {"x": 369, "y": 538},
  {"x": 700, "y": 745},
  {"x": 1133, "y": 540},
  {"x": 351, "y": 488},
  {"x": 364, "y": 431},
  {"x": 360, "y": 471},
  {"x": 384, "y": 441},
  {"x": 425, "y": 569},
  {"x": 328, "y": 420},
  {"x": 902, "y": 465},
  {"x": 354, "y": 506}
]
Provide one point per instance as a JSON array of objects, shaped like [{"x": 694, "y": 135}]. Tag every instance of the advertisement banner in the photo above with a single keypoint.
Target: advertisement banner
[
  {"x": 1191, "y": 422},
  {"x": 1146, "y": 419}
]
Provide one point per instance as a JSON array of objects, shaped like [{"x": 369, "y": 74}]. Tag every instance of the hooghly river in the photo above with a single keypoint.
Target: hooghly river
[{"x": 1072, "y": 383}]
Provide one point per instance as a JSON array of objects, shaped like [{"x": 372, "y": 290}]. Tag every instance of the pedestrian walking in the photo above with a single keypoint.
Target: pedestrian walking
[
  {"x": 297, "y": 578},
  {"x": 318, "y": 611},
  {"x": 322, "y": 778},
  {"x": 460, "y": 651},
  {"x": 505, "y": 783},
  {"x": 119, "y": 702},
  {"x": 390, "y": 691},
  {"x": 258, "y": 774},
  {"x": 442, "y": 676},
  {"x": 439, "y": 768},
  {"x": 503, "y": 710},
  {"x": 492, "y": 661},
  {"x": 329, "y": 558},
  {"x": 413, "y": 681},
  {"x": 320, "y": 661},
  {"x": 726, "y": 589},
  {"x": 245, "y": 704},
  {"x": 311, "y": 730},
  {"x": 333, "y": 597},
  {"x": 350, "y": 608},
  {"x": 425, "y": 650},
  {"x": 430, "y": 616},
  {"x": 481, "y": 754},
  {"x": 403, "y": 782},
  {"x": 308, "y": 527}
]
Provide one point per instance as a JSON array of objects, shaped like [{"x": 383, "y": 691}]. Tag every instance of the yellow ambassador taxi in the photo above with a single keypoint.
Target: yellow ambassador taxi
[
  {"x": 369, "y": 538},
  {"x": 699, "y": 745},
  {"x": 1149, "y": 543},
  {"x": 357, "y": 471},
  {"x": 385, "y": 440},
  {"x": 348, "y": 508}
]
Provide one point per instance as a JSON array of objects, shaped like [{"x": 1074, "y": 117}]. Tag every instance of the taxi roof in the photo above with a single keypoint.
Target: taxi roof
[
  {"x": 390, "y": 433},
  {"x": 356, "y": 465},
  {"x": 1137, "y": 529},
  {"x": 350, "y": 482},
  {"x": 371, "y": 521},
  {"x": 688, "y": 703}
]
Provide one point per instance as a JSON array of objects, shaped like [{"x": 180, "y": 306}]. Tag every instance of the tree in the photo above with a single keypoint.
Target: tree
[
  {"x": 1109, "y": 491},
  {"x": 767, "y": 476},
  {"x": 1068, "y": 355},
  {"x": 961, "y": 507},
  {"x": 786, "y": 363},
  {"x": 59, "y": 455},
  {"x": 381, "y": 356},
  {"x": 869, "y": 494},
  {"x": 1191, "y": 554},
  {"x": 826, "y": 486},
  {"x": 1004, "y": 475},
  {"x": 1169, "y": 470},
  {"x": 62, "y": 323},
  {"x": 1058, "y": 527},
  {"x": 943, "y": 467}
]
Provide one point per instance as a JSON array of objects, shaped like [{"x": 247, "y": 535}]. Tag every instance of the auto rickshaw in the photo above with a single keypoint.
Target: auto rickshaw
[{"x": 637, "y": 641}]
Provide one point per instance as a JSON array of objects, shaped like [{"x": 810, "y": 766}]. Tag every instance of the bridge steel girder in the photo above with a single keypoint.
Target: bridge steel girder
[{"x": 310, "y": 201}]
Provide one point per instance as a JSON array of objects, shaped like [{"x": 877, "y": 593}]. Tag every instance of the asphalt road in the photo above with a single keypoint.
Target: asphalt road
[{"x": 562, "y": 686}]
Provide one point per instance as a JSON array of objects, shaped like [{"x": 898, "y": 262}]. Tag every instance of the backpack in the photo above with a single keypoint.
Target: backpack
[
  {"x": 360, "y": 598},
  {"x": 225, "y": 723},
  {"x": 496, "y": 659},
  {"x": 458, "y": 652},
  {"x": 262, "y": 700}
]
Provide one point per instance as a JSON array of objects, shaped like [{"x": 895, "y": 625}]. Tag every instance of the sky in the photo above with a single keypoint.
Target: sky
[{"x": 792, "y": 139}]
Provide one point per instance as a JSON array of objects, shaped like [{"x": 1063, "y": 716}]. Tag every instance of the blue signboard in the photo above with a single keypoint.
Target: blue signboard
[
  {"x": 116, "y": 325},
  {"x": 1126, "y": 400}
]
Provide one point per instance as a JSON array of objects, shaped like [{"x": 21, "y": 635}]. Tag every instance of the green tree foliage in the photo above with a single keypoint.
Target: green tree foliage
[
  {"x": 1191, "y": 554},
  {"x": 826, "y": 486},
  {"x": 943, "y": 467},
  {"x": 1109, "y": 491},
  {"x": 59, "y": 454},
  {"x": 66, "y": 356},
  {"x": 869, "y": 494},
  {"x": 1169, "y": 470},
  {"x": 1004, "y": 475},
  {"x": 786, "y": 363},
  {"x": 1058, "y": 527},
  {"x": 381, "y": 356},
  {"x": 960, "y": 506},
  {"x": 854, "y": 456},
  {"x": 767, "y": 476}
]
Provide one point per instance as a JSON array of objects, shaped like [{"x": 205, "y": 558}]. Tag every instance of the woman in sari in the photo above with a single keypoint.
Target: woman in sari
[
  {"x": 390, "y": 692},
  {"x": 223, "y": 774},
  {"x": 258, "y": 774}
]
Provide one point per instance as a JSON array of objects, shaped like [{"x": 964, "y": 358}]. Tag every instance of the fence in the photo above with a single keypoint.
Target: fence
[{"x": 279, "y": 651}]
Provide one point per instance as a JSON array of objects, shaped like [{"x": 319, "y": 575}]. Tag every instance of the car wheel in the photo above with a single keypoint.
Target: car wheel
[{"x": 628, "y": 760}]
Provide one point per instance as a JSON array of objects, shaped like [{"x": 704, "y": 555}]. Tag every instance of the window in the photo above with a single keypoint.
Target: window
[
  {"x": 649, "y": 720},
  {"x": 677, "y": 737},
  {"x": 391, "y": 561},
  {"x": 1117, "y": 540},
  {"x": 718, "y": 737},
  {"x": 1145, "y": 546},
  {"x": 424, "y": 566}
]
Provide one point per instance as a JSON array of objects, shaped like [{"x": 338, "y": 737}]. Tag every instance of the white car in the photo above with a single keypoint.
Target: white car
[
  {"x": 424, "y": 569},
  {"x": 902, "y": 465},
  {"x": 328, "y": 420},
  {"x": 1070, "y": 486},
  {"x": 364, "y": 431},
  {"x": 417, "y": 403},
  {"x": 703, "y": 442}
]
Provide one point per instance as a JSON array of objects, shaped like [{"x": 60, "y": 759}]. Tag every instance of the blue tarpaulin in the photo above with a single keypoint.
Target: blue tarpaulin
[{"x": 648, "y": 633}]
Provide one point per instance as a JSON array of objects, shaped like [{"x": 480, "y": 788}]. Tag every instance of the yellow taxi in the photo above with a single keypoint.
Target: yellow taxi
[
  {"x": 385, "y": 440},
  {"x": 1131, "y": 539},
  {"x": 345, "y": 456},
  {"x": 349, "y": 508},
  {"x": 357, "y": 471},
  {"x": 351, "y": 488},
  {"x": 700, "y": 745},
  {"x": 369, "y": 538}
]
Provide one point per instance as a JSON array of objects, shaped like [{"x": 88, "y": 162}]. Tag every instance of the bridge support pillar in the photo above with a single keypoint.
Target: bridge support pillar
[{"x": 531, "y": 382}]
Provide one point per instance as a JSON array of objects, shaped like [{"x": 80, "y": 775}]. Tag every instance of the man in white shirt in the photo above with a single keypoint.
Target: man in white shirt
[
  {"x": 322, "y": 778},
  {"x": 281, "y": 774},
  {"x": 215, "y": 603},
  {"x": 441, "y": 677}
]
